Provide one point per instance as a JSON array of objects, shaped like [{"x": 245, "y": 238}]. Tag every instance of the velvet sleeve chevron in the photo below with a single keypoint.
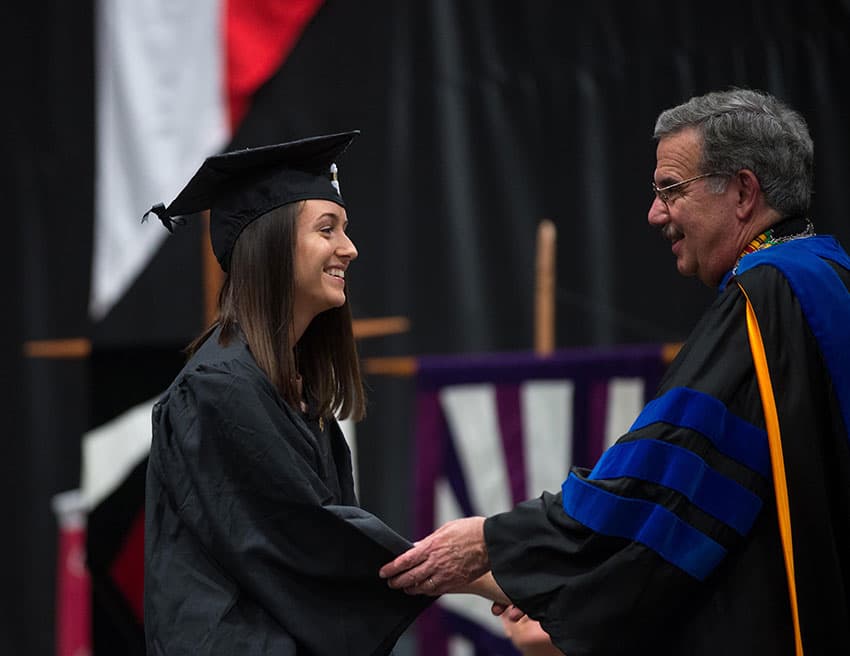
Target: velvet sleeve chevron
[
  {"x": 666, "y": 512},
  {"x": 708, "y": 492}
]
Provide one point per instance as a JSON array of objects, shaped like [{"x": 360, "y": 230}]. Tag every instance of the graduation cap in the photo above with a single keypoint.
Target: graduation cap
[{"x": 240, "y": 186}]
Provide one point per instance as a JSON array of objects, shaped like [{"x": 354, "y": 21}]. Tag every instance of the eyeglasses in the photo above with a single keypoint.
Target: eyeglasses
[{"x": 664, "y": 194}]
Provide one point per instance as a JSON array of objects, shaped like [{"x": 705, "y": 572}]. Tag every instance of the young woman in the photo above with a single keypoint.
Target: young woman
[{"x": 254, "y": 541}]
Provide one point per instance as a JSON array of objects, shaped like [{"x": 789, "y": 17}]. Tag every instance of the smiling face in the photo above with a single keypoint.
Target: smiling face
[
  {"x": 700, "y": 223},
  {"x": 323, "y": 252}
]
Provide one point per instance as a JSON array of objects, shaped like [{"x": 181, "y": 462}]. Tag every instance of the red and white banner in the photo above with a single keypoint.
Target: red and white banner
[{"x": 174, "y": 78}]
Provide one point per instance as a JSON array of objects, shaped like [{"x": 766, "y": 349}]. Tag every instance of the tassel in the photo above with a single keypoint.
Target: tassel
[{"x": 167, "y": 220}]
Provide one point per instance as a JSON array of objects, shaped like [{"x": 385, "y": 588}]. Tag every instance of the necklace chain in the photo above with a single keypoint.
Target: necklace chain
[{"x": 768, "y": 238}]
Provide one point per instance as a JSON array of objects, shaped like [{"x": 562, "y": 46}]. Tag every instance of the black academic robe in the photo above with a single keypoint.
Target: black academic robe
[
  {"x": 254, "y": 543},
  {"x": 670, "y": 545}
]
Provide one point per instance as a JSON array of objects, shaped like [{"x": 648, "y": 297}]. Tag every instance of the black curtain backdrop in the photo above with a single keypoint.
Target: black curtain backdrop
[
  {"x": 479, "y": 119},
  {"x": 47, "y": 171}
]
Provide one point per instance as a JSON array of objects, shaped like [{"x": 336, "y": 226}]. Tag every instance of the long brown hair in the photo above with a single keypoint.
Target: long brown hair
[{"x": 257, "y": 299}]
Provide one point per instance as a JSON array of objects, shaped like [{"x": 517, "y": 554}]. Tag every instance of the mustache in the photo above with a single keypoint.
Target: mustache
[{"x": 671, "y": 232}]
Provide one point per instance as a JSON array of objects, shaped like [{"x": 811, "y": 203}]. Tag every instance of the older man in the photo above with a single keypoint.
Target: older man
[{"x": 672, "y": 543}]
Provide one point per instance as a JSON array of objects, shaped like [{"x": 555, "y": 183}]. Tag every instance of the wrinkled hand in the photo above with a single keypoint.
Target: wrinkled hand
[{"x": 451, "y": 557}]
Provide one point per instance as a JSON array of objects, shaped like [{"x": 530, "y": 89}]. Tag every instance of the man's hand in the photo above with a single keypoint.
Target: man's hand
[{"x": 451, "y": 557}]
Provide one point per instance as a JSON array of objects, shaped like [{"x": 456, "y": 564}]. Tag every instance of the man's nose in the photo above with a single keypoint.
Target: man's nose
[{"x": 657, "y": 215}]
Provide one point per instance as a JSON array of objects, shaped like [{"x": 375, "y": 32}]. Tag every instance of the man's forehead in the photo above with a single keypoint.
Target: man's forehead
[{"x": 679, "y": 152}]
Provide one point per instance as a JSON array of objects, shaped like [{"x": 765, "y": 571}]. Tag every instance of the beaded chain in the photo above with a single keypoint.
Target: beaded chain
[{"x": 769, "y": 238}]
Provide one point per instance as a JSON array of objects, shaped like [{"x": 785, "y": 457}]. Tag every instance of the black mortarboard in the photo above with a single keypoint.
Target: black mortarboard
[{"x": 240, "y": 186}]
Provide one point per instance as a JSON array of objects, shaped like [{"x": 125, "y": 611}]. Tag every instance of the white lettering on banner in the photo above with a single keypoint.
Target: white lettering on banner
[
  {"x": 471, "y": 607},
  {"x": 472, "y": 417},
  {"x": 625, "y": 401},
  {"x": 473, "y": 420},
  {"x": 547, "y": 423},
  {"x": 460, "y": 647}
]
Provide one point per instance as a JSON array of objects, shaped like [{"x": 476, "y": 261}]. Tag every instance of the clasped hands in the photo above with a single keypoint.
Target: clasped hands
[{"x": 452, "y": 559}]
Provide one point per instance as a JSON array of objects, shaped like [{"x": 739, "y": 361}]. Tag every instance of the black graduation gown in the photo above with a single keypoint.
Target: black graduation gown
[
  {"x": 671, "y": 544},
  {"x": 254, "y": 542}
]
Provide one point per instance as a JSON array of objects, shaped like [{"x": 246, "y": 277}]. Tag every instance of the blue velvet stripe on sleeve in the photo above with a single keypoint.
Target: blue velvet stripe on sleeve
[
  {"x": 642, "y": 521},
  {"x": 682, "y": 470},
  {"x": 731, "y": 435}
]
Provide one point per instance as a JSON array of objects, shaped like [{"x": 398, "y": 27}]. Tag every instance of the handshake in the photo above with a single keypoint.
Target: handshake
[{"x": 453, "y": 559}]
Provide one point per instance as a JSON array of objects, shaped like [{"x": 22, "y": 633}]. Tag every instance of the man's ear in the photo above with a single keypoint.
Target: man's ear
[{"x": 749, "y": 193}]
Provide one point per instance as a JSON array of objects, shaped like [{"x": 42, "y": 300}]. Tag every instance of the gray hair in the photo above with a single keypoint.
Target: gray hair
[{"x": 746, "y": 129}]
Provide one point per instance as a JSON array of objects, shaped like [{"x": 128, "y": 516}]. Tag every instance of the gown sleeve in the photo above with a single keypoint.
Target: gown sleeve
[
  {"x": 245, "y": 479},
  {"x": 606, "y": 563}
]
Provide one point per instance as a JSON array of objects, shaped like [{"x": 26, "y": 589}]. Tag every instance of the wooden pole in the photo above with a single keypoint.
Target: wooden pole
[
  {"x": 544, "y": 289},
  {"x": 401, "y": 367},
  {"x": 380, "y": 326},
  {"x": 72, "y": 347}
]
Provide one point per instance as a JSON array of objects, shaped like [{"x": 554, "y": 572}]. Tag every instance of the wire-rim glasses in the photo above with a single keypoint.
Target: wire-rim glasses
[{"x": 663, "y": 193}]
